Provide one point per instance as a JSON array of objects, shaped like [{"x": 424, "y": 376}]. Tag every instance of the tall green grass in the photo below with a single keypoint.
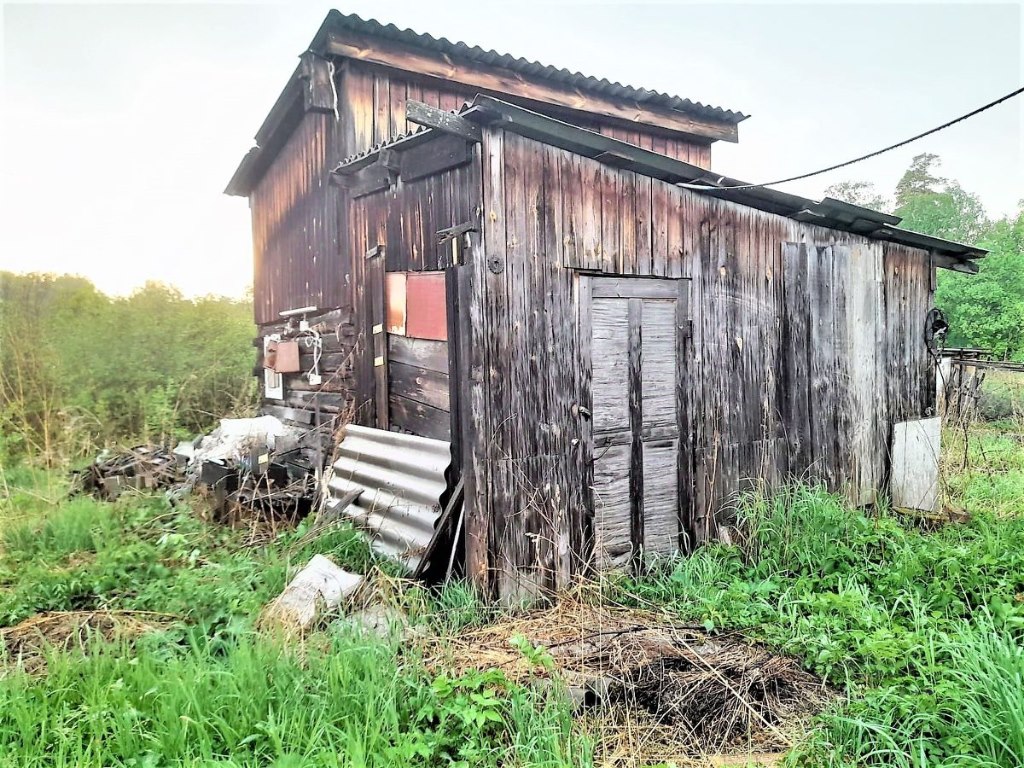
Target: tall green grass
[
  {"x": 965, "y": 707},
  {"x": 355, "y": 701},
  {"x": 918, "y": 630},
  {"x": 922, "y": 629}
]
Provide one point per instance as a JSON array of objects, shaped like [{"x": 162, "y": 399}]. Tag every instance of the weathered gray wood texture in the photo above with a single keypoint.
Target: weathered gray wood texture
[
  {"x": 404, "y": 219},
  {"x": 806, "y": 347},
  {"x": 299, "y": 218},
  {"x": 635, "y": 375}
]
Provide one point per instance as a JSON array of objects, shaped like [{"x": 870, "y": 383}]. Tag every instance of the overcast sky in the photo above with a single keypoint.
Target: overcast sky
[{"x": 123, "y": 123}]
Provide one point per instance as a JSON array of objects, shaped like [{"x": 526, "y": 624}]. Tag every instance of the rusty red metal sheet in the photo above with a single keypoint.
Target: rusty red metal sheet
[{"x": 426, "y": 316}]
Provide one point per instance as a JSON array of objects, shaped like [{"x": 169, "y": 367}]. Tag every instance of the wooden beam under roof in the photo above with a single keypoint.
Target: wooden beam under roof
[{"x": 447, "y": 122}]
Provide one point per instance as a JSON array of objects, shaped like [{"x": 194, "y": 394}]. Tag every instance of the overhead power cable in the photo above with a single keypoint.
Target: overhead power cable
[{"x": 978, "y": 111}]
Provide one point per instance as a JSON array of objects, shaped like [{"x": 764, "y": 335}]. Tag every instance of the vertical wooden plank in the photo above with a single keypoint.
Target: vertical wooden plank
[
  {"x": 613, "y": 508},
  {"x": 564, "y": 496},
  {"x": 397, "y": 91},
  {"x": 679, "y": 218},
  {"x": 796, "y": 373},
  {"x": 450, "y": 101},
  {"x": 592, "y": 246},
  {"x": 660, "y": 424},
  {"x": 525, "y": 542},
  {"x": 823, "y": 354},
  {"x": 643, "y": 223},
  {"x": 660, "y": 202},
  {"x": 660, "y": 463},
  {"x": 474, "y": 377},
  {"x": 636, "y": 421},
  {"x": 862, "y": 326},
  {"x": 583, "y": 412},
  {"x": 431, "y": 96},
  {"x": 499, "y": 450},
  {"x": 375, "y": 288},
  {"x": 571, "y": 189},
  {"x": 359, "y": 112},
  {"x": 381, "y": 108},
  {"x": 611, "y": 221},
  {"x": 843, "y": 375},
  {"x": 626, "y": 215},
  {"x": 611, "y": 431},
  {"x": 413, "y": 92},
  {"x": 687, "y": 386}
]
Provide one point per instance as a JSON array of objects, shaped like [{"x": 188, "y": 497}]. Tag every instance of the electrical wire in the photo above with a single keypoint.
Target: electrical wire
[{"x": 978, "y": 111}]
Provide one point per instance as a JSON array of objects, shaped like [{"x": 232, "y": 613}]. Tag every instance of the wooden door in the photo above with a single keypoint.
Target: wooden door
[{"x": 636, "y": 334}]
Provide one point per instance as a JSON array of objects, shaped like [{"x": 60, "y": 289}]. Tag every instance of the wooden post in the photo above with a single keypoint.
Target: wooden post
[{"x": 375, "y": 285}]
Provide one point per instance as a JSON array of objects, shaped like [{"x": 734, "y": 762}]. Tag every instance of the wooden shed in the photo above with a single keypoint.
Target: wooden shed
[{"x": 539, "y": 270}]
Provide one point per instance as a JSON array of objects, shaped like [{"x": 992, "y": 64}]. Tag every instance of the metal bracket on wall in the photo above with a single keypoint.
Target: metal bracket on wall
[{"x": 454, "y": 235}]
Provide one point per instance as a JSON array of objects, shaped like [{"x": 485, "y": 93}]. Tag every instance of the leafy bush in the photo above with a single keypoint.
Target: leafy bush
[
  {"x": 1001, "y": 397},
  {"x": 78, "y": 368}
]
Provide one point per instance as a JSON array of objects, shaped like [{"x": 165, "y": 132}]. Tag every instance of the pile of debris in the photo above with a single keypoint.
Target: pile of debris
[
  {"x": 142, "y": 468},
  {"x": 651, "y": 684},
  {"x": 253, "y": 470}
]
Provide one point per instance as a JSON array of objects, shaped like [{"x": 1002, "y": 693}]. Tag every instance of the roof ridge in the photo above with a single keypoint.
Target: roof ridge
[{"x": 615, "y": 89}]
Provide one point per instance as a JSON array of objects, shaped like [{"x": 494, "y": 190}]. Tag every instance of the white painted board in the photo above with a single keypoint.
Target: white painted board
[{"x": 915, "y": 464}]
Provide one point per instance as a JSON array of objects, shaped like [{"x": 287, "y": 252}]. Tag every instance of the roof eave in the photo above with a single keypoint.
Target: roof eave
[{"x": 829, "y": 213}]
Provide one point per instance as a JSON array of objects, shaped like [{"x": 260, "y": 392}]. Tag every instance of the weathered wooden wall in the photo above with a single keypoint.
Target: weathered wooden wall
[
  {"x": 295, "y": 224},
  {"x": 316, "y": 409},
  {"x": 374, "y": 110},
  {"x": 806, "y": 346},
  {"x": 310, "y": 239},
  {"x": 296, "y": 214},
  {"x": 404, "y": 220}
]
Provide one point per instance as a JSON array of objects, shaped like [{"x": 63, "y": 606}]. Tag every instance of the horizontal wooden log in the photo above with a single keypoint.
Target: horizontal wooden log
[
  {"x": 330, "y": 383},
  {"x": 284, "y": 413},
  {"x": 419, "y": 384},
  {"x": 422, "y": 353},
  {"x": 366, "y": 181},
  {"x": 329, "y": 402},
  {"x": 330, "y": 362},
  {"x": 624, "y": 288},
  {"x": 419, "y": 419}
]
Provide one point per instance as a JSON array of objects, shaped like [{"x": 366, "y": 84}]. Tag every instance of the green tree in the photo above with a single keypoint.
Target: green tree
[
  {"x": 953, "y": 214},
  {"x": 918, "y": 179},
  {"x": 986, "y": 310}
]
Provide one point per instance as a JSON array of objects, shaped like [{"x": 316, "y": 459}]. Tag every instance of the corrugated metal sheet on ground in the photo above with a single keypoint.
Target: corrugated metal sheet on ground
[{"x": 402, "y": 480}]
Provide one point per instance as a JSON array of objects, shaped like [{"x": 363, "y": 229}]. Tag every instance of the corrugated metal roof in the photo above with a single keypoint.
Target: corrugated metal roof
[
  {"x": 829, "y": 212},
  {"x": 402, "y": 479},
  {"x": 339, "y": 21}
]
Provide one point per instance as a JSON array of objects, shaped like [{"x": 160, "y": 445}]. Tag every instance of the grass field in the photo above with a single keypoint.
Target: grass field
[{"x": 918, "y": 629}]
